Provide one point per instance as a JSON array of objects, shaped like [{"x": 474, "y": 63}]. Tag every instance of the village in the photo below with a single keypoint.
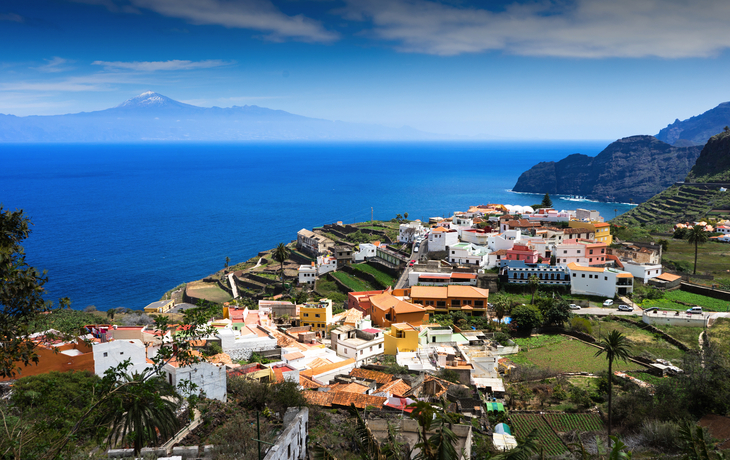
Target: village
[{"x": 465, "y": 310}]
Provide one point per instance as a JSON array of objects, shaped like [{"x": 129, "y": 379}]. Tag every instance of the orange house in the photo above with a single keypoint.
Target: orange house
[
  {"x": 70, "y": 357},
  {"x": 444, "y": 299},
  {"x": 386, "y": 309}
]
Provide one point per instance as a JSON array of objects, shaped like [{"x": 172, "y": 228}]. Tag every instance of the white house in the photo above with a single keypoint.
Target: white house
[
  {"x": 410, "y": 232},
  {"x": 504, "y": 240},
  {"x": 643, "y": 272},
  {"x": 365, "y": 252},
  {"x": 596, "y": 281},
  {"x": 307, "y": 274},
  {"x": 571, "y": 251},
  {"x": 476, "y": 236},
  {"x": 468, "y": 254},
  {"x": 210, "y": 378},
  {"x": 440, "y": 238},
  {"x": 113, "y": 353},
  {"x": 326, "y": 264},
  {"x": 359, "y": 344}
]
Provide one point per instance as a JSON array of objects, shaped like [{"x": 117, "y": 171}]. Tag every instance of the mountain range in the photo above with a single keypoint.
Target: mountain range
[
  {"x": 154, "y": 117},
  {"x": 698, "y": 129}
]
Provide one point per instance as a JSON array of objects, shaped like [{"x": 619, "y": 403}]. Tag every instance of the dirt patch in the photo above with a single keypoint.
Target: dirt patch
[{"x": 719, "y": 428}]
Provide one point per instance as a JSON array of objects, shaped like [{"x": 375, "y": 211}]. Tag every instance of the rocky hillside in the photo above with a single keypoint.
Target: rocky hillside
[
  {"x": 700, "y": 196},
  {"x": 630, "y": 169},
  {"x": 697, "y": 130}
]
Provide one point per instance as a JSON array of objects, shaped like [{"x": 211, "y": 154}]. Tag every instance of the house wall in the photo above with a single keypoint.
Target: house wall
[
  {"x": 242, "y": 347},
  {"x": 292, "y": 442},
  {"x": 672, "y": 319},
  {"x": 111, "y": 354},
  {"x": 392, "y": 343},
  {"x": 209, "y": 378},
  {"x": 643, "y": 272}
]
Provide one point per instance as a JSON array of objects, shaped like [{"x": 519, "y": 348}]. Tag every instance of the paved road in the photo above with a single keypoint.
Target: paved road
[
  {"x": 232, "y": 283},
  {"x": 598, "y": 311}
]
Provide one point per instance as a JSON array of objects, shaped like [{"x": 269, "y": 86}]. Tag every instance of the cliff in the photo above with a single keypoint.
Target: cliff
[
  {"x": 700, "y": 196},
  {"x": 630, "y": 169},
  {"x": 698, "y": 129}
]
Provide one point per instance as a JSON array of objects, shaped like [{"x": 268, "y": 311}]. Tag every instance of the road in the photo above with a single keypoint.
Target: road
[
  {"x": 403, "y": 280},
  {"x": 599, "y": 311}
]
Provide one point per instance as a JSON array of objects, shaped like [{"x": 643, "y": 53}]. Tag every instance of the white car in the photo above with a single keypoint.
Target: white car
[
  {"x": 574, "y": 306},
  {"x": 625, "y": 308},
  {"x": 608, "y": 303}
]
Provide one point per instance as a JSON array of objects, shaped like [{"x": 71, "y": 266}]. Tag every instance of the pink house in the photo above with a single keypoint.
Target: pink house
[{"x": 522, "y": 252}]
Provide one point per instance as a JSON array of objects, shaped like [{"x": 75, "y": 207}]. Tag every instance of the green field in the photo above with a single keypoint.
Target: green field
[
  {"x": 567, "y": 356},
  {"x": 719, "y": 335},
  {"x": 353, "y": 283},
  {"x": 383, "y": 278},
  {"x": 705, "y": 302},
  {"x": 523, "y": 424},
  {"x": 208, "y": 291},
  {"x": 712, "y": 258},
  {"x": 663, "y": 304}
]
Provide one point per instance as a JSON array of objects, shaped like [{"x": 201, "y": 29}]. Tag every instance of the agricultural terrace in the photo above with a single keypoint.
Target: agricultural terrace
[
  {"x": 356, "y": 284},
  {"x": 383, "y": 278},
  {"x": 208, "y": 291},
  {"x": 703, "y": 301},
  {"x": 719, "y": 335},
  {"x": 712, "y": 258},
  {"x": 547, "y": 425},
  {"x": 561, "y": 354}
]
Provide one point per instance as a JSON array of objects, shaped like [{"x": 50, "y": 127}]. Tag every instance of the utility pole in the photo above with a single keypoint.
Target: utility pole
[{"x": 371, "y": 214}]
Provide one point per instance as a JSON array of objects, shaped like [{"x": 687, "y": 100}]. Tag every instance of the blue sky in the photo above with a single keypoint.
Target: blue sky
[{"x": 562, "y": 69}]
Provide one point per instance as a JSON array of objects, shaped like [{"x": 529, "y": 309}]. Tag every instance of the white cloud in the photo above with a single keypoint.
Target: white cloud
[
  {"x": 53, "y": 65},
  {"x": 556, "y": 28},
  {"x": 153, "y": 66},
  {"x": 259, "y": 15}
]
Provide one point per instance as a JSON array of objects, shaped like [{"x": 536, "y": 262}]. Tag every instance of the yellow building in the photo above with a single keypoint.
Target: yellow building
[
  {"x": 161, "y": 306},
  {"x": 602, "y": 230},
  {"x": 318, "y": 316},
  {"x": 401, "y": 337}
]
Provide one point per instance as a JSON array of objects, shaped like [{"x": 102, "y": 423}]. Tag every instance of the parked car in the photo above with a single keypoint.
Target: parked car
[
  {"x": 695, "y": 311},
  {"x": 625, "y": 308},
  {"x": 410, "y": 264},
  {"x": 651, "y": 309},
  {"x": 574, "y": 306},
  {"x": 608, "y": 303}
]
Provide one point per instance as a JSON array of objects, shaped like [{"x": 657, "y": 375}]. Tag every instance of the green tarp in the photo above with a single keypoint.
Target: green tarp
[{"x": 495, "y": 407}]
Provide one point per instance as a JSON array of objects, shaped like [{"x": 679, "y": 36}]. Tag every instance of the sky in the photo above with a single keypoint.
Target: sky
[{"x": 552, "y": 69}]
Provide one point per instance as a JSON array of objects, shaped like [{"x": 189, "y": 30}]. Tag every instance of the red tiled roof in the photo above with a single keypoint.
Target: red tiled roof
[
  {"x": 396, "y": 387},
  {"x": 345, "y": 399},
  {"x": 326, "y": 368},
  {"x": 379, "y": 377}
]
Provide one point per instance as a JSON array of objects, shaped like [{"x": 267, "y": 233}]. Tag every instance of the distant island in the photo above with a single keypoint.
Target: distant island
[{"x": 154, "y": 117}]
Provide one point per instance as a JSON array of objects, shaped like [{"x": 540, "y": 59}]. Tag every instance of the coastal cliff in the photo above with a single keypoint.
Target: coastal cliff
[
  {"x": 632, "y": 169},
  {"x": 700, "y": 196},
  {"x": 698, "y": 129}
]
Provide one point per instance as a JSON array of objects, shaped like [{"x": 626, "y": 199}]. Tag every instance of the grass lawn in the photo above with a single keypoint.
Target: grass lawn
[
  {"x": 208, "y": 291},
  {"x": 329, "y": 289},
  {"x": 708, "y": 303},
  {"x": 712, "y": 257},
  {"x": 687, "y": 335},
  {"x": 568, "y": 356},
  {"x": 353, "y": 283},
  {"x": 383, "y": 278},
  {"x": 663, "y": 304},
  {"x": 643, "y": 343}
]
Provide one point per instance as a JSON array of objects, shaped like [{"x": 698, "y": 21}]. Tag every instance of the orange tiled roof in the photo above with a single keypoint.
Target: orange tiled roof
[
  {"x": 580, "y": 268},
  {"x": 319, "y": 398},
  {"x": 624, "y": 275},
  {"x": 349, "y": 388},
  {"x": 307, "y": 382},
  {"x": 386, "y": 301},
  {"x": 379, "y": 377},
  {"x": 342, "y": 398},
  {"x": 326, "y": 368},
  {"x": 668, "y": 277},
  {"x": 396, "y": 387},
  {"x": 319, "y": 362}
]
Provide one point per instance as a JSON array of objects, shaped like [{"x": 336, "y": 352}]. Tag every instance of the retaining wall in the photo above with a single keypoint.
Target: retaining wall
[{"x": 704, "y": 290}]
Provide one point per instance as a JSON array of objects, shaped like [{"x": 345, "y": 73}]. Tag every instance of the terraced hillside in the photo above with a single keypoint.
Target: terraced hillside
[{"x": 680, "y": 203}]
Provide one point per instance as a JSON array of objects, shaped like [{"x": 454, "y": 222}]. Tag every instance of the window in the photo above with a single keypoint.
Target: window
[
  {"x": 478, "y": 303},
  {"x": 584, "y": 275},
  {"x": 106, "y": 354},
  {"x": 591, "y": 252},
  {"x": 316, "y": 315},
  {"x": 565, "y": 251},
  {"x": 456, "y": 303},
  {"x": 121, "y": 352},
  {"x": 605, "y": 278},
  {"x": 306, "y": 315},
  {"x": 573, "y": 275},
  {"x": 440, "y": 303},
  {"x": 380, "y": 346}
]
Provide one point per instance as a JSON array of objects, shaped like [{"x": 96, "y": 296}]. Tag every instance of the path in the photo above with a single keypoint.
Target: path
[
  {"x": 197, "y": 420},
  {"x": 258, "y": 264},
  {"x": 628, "y": 302},
  {"x": 232, "y": 283}
]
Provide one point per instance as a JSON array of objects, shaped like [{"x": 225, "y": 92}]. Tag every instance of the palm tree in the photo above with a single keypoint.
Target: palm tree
[
  {"x": 533, "y": 282},
  {"x": 110, "y": 313},
  {"x": 143, "y": 409},
  {"x": 615, "y": 346},
  {"x": 697, "y": 236},
  {"x": 281, "y": 253}
]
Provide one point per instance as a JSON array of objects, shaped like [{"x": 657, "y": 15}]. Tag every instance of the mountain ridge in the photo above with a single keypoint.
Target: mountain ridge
[
  {"x": 631, "y": 169},
  {"x": 698, "y": 129}
]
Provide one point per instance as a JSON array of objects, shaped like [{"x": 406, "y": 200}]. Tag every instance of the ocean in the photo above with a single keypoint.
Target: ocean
[{"x": 119, "y": 225}]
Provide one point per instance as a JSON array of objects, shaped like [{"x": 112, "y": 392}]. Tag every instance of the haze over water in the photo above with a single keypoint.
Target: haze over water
[{"x": 118, "y": 225}]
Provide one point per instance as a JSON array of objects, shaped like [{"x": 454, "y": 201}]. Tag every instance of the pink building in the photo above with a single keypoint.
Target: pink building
[{"x": 522, "y": 252}]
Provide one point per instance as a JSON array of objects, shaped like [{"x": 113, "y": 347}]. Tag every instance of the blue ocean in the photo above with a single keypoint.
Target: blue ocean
[{"x": 118, "y": 225}]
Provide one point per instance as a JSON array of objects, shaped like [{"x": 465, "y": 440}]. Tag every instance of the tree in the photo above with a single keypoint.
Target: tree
[
  {"x": 405, "y": 215},
  {"x": 228, "y": 261},
  {"x": 614, "y": 346},
  {"x": 546, "y": 201},
  {"x": 440, "y": 444},
  {"x": 281, "y": 254},
  {"x": 697, "y": 236},
  {"x": 21, "y": 295},
  {"x": 525, "y": 318},
  {"x": 533, "y": 283},
  {"x": 110, "y": 313},
  {"x": 555, "y": 311}
]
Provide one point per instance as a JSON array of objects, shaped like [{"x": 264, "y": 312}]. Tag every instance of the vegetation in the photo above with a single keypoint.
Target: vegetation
[
  {"x": 559, "y": 354},
  {"x": 384, "y": 279},
  {"x": 697, "y": 236},
  {"x": 281, "y": 254},
  {"x": 525, "y": 318},
  {"x": 21, "y": 296}
]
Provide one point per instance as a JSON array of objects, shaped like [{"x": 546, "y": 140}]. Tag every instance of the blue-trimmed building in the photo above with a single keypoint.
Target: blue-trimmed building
[{"x": 519, "y": 272}]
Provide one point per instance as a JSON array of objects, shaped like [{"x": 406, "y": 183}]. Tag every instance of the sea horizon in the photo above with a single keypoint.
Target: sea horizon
[{"x": 117, "y": 225}]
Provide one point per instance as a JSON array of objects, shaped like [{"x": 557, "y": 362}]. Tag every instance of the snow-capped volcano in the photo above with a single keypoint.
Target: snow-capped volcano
[{"x": 150, "y": 99}]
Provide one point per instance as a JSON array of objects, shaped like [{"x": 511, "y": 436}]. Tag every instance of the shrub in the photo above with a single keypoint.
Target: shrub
[
  {"x": 214, "y": 348},
  {"x": 581, "y": 325}
]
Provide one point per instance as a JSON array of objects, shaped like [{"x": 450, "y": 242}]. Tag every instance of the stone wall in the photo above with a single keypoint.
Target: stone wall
[{"x": 704, "y": 290}]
